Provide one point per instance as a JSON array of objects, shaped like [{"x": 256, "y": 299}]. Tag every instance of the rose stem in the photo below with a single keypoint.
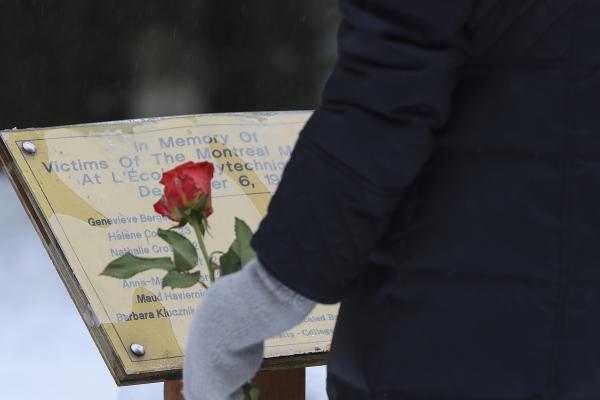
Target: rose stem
[{"x": 196, "y": 225}]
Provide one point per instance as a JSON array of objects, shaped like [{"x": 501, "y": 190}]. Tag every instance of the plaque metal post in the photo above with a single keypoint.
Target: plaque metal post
[
  {"x": 280, "y": 384},
  {"x": 286, "y": 384},
  {"x": 173, "y": 390}
]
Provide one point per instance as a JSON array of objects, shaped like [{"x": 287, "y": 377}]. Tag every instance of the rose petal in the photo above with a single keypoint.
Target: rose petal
[
  {"x": 183, "y": 167},
  {"x": 168, "y": 177},
  {"x": 160, "y": 208},
  {"x": 175, "y": 196},
  {"x": 202, "y": 174},
  {"x": 192, "y": 192}
]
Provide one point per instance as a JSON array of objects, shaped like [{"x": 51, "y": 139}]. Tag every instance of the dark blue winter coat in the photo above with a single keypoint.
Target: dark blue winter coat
[{"x": 447, "y": 192}]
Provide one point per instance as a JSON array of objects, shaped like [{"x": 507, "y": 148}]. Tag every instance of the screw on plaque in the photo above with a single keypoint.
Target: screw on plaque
[
  {"x": 29, "y": 147},
  {"x": 137, "y": 349}
]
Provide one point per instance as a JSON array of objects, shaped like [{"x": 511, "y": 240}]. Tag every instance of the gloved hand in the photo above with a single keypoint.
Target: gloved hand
[{"x": 225, "y": 346}]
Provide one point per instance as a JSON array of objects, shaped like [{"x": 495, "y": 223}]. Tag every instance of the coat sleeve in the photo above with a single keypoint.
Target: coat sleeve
[{"x": 390, "y": 90}]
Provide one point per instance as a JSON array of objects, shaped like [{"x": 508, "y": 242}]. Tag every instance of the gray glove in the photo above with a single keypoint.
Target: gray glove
[{"x": 225, "y": 346}]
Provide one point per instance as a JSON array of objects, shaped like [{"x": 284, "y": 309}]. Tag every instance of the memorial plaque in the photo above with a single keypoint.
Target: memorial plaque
[{"x": 89, "y": 190}]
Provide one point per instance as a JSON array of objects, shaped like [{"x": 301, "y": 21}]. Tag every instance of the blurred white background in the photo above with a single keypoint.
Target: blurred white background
[{"x": 47, "y": 352}]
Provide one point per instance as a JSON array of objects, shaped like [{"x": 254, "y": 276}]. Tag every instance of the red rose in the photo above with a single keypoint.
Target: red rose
[{"x": 187, "y": 188}]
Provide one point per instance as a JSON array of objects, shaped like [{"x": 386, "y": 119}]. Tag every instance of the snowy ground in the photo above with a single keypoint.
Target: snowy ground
[{"x": 47, "y": 352}]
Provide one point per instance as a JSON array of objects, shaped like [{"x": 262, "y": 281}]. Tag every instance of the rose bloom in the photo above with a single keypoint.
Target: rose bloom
[{"x": 187, "y": 188}]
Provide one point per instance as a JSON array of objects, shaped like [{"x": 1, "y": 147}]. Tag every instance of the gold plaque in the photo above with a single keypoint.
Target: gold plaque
[{"x": 89, "y": 190}]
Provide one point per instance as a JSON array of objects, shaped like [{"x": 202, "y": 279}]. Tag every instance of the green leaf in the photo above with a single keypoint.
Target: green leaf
[
  {"x": 229, "y": 262},
  {"x": 186, "y": 257},
  {"x": 129, "y": 265},
  {"x": 181, "y": 280},
  {"x": 239, "y": 252},
  {"x": 254, "y": 394},
  {"x": 241, "y": 245}
]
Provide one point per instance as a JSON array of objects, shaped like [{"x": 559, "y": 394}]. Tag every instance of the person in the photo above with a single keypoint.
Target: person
[{"x": 446, "y": 193}]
